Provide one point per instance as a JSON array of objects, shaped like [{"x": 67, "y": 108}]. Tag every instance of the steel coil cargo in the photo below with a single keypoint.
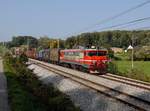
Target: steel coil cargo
[
  {"x": 40, "y": 55},
  {"x": 54, "y": 55},
  {"x": 31, "y": 53},
  {"x": 46, "y": 55}
]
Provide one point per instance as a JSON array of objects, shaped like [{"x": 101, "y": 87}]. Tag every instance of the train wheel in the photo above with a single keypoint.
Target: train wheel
[
  {"x": 80, "y": 68},
  {"x": 73, "y": 66},
  {"x": 83, "y": 69},
  {"x": 102, "y": 71}
]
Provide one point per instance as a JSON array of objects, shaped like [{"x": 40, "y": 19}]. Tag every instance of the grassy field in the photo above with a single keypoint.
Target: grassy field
[
  {"x": 142, "y": 66},
  {"x": 140, "y": 71}
]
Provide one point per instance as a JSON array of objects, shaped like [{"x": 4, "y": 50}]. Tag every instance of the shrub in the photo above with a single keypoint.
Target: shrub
[
  {"x": 142, "y": 53},
  {"x": 117, "y": 58},
  {"x": 112, "y": 68},
  {"x": 23, "y": 58},
  {"x": 110, "y": 53},
  {"x": 138, "y": 74},
  {"x": 8, "y": 58}
]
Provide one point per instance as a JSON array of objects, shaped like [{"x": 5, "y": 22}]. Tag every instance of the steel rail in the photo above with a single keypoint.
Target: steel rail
[{"x": 127, "y": 81}]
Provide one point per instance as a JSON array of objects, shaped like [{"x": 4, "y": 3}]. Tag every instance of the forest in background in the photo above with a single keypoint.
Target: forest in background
[{"x": 115, "y": 38}]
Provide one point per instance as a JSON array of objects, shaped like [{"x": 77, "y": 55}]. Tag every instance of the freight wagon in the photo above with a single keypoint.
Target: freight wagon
[{"x": 31, "y": 53}]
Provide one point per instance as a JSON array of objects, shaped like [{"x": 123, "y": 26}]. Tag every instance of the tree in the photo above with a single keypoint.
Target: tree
[
  {"x": 44, "y": 42},
  {"x": 24, "y": 40}
]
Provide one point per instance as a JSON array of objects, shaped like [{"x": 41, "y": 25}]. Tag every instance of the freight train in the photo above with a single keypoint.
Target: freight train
[{"x": 88, "y": 60}]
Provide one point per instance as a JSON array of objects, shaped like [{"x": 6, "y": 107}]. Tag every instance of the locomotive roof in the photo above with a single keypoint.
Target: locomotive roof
[{"x": 84, "y": 49}]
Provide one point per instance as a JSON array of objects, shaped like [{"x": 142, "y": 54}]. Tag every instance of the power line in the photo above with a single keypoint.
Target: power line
[
  {"x": 115, "y": 16},
  {"x": 120, "y": 14},
  {"x": 127, "y": 26},
  {"x": 143, "y": 28},
  {"x": 130, "y": 22}
]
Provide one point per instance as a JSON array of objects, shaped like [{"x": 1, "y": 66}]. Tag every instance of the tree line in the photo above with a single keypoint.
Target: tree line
[
  {"x": 105, "y": 39},
  {"x": 115, "y": 38}
]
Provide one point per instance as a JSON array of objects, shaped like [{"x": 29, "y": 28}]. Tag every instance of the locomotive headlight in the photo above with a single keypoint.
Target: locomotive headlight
[
  {"x": 93, "y": 62},
  {"x": 104, "y": 61}
]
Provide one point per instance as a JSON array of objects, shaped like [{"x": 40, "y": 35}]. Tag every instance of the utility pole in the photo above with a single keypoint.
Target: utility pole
[
  {"x": 4, "y": 44},
  {"x": 58, "y": 45},
  {"x": 50, "y": 44},
  {"x": 132, "y": 52},
  {"x": 28, "y": 44}
]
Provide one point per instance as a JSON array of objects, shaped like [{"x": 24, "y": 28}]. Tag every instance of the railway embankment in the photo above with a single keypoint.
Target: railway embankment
[{"x": 83, "y": 87}]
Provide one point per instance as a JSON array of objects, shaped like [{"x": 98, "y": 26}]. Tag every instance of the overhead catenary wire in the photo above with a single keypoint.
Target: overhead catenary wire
[
  {"x": 143, "y": 28},
  {"x": 112, "y": 17},
  {"x": 126, "y": 23},
  {"x": 120, "y": 14}
]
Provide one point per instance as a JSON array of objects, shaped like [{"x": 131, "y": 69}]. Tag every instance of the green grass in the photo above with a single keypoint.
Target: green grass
[
  {"x": 122, "y": 56},
  {"x": 125, "y": 66},
  {"x": 19, "y": 98},
  {"x": 141, "y": 69}
]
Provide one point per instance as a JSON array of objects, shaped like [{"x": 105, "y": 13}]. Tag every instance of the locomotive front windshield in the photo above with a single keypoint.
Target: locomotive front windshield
[{"x": 96, "y": 53}]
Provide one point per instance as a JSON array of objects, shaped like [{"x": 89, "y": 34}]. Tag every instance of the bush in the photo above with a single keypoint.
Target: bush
[
  {"x": 110, "y": 53},
  {"x": 117, "y": 58},
  {"x": 142, "y": 53},
  {"x": 23, "y": 58},
  {"x": 112, "y": 68},
  {"x": 138, "y": 74},
  {"x": 8, "y": 58}
]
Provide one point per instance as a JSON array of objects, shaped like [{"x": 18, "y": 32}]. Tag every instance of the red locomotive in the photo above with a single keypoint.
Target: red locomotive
[{"x": 89, "y": 60}]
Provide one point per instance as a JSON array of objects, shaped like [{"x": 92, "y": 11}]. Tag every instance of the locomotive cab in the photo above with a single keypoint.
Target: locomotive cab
[{"x": 96, "y": 60}]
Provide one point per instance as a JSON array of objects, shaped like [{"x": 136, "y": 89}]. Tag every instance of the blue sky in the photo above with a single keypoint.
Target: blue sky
[{"x": 62, "y": 18}]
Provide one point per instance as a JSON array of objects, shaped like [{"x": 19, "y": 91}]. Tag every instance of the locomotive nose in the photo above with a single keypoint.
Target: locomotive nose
[{"x": 101, "y": 66}]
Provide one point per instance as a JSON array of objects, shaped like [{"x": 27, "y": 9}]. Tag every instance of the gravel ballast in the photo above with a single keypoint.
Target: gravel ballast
[{"x": 84, "y": 97}]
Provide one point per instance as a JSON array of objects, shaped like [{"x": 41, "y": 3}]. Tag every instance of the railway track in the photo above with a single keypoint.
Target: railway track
[
  {"x": 133, "y": 101},
  {"x": 136, "y": 83}
]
